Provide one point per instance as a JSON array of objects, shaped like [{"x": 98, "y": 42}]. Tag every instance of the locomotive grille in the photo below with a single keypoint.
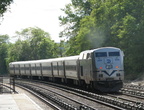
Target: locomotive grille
[
  {"x": 109, "y": 66},
  {"x": 109, "y": 79}
]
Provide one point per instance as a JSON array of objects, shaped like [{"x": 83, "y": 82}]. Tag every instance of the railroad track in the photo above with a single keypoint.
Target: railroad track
[
  {"x": 89, "y": 98},
  {"x": 136, "y": 91},
  {"x": 138, "y": 87},
  {"x": 41, "y": 98},
  {"x": 64, "y": 102}
]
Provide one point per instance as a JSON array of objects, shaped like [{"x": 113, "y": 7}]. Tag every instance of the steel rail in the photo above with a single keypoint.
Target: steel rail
[{"x": 40, "y": 97}]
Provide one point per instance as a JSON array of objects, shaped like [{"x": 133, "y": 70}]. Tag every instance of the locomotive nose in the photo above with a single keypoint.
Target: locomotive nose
[{"x": 108, "y": 61}]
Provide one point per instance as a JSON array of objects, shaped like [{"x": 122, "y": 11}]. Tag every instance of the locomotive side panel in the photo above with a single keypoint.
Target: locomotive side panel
[
  {"x": 86, "y": 67},
  {"x": 86, "y": 70}
]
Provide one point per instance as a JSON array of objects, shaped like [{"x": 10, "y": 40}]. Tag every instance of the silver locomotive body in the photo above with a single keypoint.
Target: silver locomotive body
[{"x": 100, "y": 68}]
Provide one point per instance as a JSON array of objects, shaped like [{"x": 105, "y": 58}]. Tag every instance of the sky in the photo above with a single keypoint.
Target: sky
[{"x": 34, "y": 13}]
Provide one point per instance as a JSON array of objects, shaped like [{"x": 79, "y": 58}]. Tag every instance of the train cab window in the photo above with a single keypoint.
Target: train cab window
[
  {"x": 88, "y": 56},
  {"x": 101, "y": 54},
  {"x": 114, "y": 54}
]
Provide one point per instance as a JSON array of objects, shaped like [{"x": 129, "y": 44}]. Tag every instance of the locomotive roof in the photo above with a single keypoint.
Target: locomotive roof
[
  {"x": 101, "y": 49},
  {"x": 106, "y": 48},
  {"x": 47, "y": 60}
]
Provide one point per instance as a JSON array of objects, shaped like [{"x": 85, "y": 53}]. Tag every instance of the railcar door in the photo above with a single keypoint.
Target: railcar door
[
  {"x": 27, "y": 69},
  {"x": 55, "y": 69},
  {"x": 86, "y": 67},
  {"x": 22, "y": 71},
  {"x": 33, "y": 69},
  {"x": 38, "y": 69},
  {"x": 61, "y": 69}
]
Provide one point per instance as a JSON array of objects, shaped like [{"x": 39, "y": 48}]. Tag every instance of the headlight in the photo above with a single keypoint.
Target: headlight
[
  {"x": 109, "y": 66},
  {"x": 118, "y": 74},
  {"x": 100, "y": 75}
]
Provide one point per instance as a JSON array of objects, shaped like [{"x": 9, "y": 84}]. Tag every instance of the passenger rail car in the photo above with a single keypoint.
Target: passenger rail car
[{"x": 100, "y": 68}]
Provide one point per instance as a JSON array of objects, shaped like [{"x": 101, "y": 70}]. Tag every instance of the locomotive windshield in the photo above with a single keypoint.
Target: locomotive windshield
[
  {"x": 104, "y": 54},
  {"x": 114, "y": 54},
  {"x": 101, "y": 54}
]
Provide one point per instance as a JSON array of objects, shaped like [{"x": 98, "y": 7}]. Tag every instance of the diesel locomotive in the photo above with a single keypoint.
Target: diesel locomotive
[{"x": 100, "y": 69}]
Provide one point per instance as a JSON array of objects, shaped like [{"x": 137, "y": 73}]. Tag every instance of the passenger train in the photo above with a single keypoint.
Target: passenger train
[{"x": 101, "y": 69}]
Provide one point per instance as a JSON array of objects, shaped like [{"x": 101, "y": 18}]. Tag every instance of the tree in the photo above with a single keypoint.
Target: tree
[
  {"x": 14, "y": 51},
  {"x": 48, "y": 49},
  {"x": 3, "y": 56},
  {"x": 4, "y": 6},
  {"x": 74, "y": 11},
  {"x": 25, "y": 51},
  {"x": 3, "y": 38},
  {"x": 3, "y": 53},
  {"x": 34, "y": 44}
]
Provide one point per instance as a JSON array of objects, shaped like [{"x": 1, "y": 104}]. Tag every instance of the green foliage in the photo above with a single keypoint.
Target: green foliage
[
  {"x": 33, "y": 44},
  {"x": 3, "y": 53},
  {"x": 48, "y": 49},
  {"x": 75, "y": 12},
  {"x": 4, "y": 6},
  {"x": 3, "y": 38}
]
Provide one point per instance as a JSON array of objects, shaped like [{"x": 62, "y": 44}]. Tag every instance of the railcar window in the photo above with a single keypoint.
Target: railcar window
[
  {"x": 101, "y": 54},
  {"x": 10, "y": 68},
  {"x": 33, "y": 68},
  {"x": 46, "y": 68},
  {"x": 54, "y": 67},
  {"x": 70, "y": 67},
  {"x": 27, "y": 68},
  {"x": 22, "y": 68},
  {"x": 16, "y": 68},
  {"x": 60, "y": 67},
  {"x": 114, "y": 54},
  {"x": 38, "y": 68}
]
